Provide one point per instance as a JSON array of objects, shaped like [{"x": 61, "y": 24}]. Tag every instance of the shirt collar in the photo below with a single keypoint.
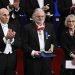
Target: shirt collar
[{"x": 4, "y": 25}]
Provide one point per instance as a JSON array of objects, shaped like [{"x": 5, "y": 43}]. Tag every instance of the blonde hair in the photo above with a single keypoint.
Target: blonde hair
[{"x": 71, "y": 16}]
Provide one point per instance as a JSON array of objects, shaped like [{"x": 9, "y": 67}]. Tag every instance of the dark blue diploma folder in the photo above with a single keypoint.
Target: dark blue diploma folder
[{"x": 47, "y": 55}]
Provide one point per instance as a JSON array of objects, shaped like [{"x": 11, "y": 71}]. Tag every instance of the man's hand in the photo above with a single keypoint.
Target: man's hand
[
  {"x": 73, "y": 61},
  {"x": 50, "y": 51},
  {"x": 72, "y": 7},
  {"x": 10, "y": 34},
  {"x": 36, "y": 53},
  {"x": 46, "y": 7}
]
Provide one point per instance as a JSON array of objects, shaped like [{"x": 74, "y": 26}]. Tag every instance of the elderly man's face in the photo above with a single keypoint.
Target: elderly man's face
[
  {"x": 4, "y": 16},
  {"x": 40, "y": 17},
  {"x": 71, "y": 23}
]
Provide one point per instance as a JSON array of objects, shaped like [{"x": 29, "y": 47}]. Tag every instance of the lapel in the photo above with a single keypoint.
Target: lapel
[
  {"x": 45, "y": 34},
  {"x": 1, "y": 31},
  {"x": 34, "y": 33},
  {"x": 11, "y": 26},
  {"x": 35, "y": 3},
  {"x": 46, "y": 2}
]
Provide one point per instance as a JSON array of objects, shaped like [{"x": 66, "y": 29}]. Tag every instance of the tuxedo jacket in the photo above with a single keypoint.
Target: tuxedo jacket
[
  {"x": 67, "y": 43},
  {"x": 16, "y": 42},
  {"x": 4, "y": 3},
  {"x": 29, "y": 6},
  {"x": 64, "y": 7},
  {"x": 31, "y": 41}
]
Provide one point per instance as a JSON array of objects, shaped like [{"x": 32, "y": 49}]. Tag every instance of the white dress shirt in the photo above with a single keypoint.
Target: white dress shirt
[
  {"x": 41, "y": 3},
  {"x": 41, "y": 40},
  {"x": 8, "y": 48},
  {"x": 73, "y": 1},
  {"x": 11, "y": 1}
]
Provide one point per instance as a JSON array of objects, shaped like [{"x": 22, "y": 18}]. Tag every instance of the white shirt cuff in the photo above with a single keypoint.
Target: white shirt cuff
[{"x": 32, "y": 53}]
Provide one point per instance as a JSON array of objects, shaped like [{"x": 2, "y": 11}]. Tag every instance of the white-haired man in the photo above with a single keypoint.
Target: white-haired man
[{"x": 37, "y": 37}]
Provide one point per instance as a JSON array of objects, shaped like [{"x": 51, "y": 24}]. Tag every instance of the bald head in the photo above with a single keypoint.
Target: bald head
[
  {"x": 3, "y": 10},
  {"x": 4, "y": 15}
]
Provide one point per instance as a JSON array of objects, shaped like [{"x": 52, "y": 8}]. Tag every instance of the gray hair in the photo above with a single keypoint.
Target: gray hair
[
  {"x": 71, "y": 16},
  {"x": 36, "y": 11}
]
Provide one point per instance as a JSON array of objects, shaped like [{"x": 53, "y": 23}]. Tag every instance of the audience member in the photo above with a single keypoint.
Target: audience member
[
  {"x": 66, "y": 7},
  {"x": 13, "y": 7},
  {"x": 30, "y": 5},
  {"x": 68, "y": 42},
  {"x": 9, "y": 41},
  {"x": 37, "y": 37}
]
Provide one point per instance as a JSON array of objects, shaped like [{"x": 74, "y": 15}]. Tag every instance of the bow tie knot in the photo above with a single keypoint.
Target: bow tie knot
[{"x": 41, "y": 28}]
